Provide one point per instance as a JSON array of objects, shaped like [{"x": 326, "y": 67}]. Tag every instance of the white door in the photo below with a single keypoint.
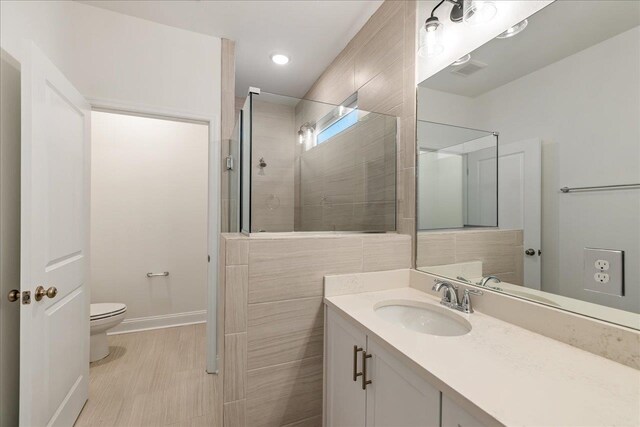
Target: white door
[
  {"x": 482, "y": 205},
  {"x": 54, "y": 331},
  {"x": 519, "y": 201},
  {"x": 397, "y": 397},
  {"x": 345, "y": 398}
]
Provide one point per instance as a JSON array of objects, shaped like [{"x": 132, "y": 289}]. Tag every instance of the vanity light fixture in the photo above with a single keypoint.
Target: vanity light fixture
[
  {"x": 305, "y": 133},
  {"x": 469, "y": 11},
  {"x": 462, "y": 60},
  {"x": 516, "y": 29},
  {"x": 478, "y": 11},
  {"x": 280, "y": 59}
]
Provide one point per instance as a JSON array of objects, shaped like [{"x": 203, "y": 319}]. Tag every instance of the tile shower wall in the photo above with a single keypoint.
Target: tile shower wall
[
  {"x": 273, "y": 318},
  {"x": 379, "y": 64},
  {"x": 348, "y": 182},
  {"x": 500, "y": 251},
  {"x": 273, "y": 140}
]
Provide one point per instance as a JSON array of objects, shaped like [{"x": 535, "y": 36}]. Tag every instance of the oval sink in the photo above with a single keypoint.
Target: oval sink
[{"x": 422, "y": 317}]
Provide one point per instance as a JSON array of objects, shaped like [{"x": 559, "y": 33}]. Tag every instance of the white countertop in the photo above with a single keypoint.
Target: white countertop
[{"x": 515, "y": 376}]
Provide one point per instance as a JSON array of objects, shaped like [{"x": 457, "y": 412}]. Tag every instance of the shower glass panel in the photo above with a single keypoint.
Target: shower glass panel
[
  {"x": 457, "y": 177},
  {"x": 233, "y": 169},
  {"x": 312, "y": 166},
  {"x": 245, "y": 166}
]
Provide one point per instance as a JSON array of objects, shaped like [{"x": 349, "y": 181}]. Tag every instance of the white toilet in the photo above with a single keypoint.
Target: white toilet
[{"x": 104, "y": 316}]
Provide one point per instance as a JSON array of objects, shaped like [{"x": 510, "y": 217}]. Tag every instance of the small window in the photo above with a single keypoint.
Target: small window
[
  {"x": 338, "y": 120},
  {"x": 338, "y": 126}
]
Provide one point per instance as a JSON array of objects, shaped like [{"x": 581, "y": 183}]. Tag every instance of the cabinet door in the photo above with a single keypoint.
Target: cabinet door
[
  {"x": 454, "y": 416},
  {"x": 397, "y": 397},
  {"x": 345, "y": 398}
]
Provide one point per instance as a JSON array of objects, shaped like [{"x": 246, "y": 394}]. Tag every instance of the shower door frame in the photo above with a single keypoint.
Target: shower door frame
[{"x": 213, "y": 214}]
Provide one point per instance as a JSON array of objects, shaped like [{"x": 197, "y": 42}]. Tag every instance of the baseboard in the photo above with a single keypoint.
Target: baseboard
[{"x": 158, "y": 322}]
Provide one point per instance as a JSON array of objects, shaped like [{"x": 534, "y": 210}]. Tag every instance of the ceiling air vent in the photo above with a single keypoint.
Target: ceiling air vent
[{"x": 471, "y": 67}]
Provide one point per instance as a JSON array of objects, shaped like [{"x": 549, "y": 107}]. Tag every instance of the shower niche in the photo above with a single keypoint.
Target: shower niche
[{"x": 309, "y": 166}]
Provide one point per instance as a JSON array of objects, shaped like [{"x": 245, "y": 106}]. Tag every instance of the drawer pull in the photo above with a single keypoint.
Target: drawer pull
[
  {"x": 365, "y": 381},
  {"x": 356, "y": 374}
]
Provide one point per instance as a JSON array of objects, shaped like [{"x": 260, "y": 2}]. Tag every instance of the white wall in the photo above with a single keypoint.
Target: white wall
[
  {"x": 460, "y": 39},
  {"x": 9, "y": 239},
  {"x": 149, "y": 214},
  {"x": 111, "y": 56},
  {"x": 582, "y": 109}
]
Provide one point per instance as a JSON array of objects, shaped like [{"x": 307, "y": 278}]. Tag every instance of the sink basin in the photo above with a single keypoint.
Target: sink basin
[{"x": 423, "y": 317}]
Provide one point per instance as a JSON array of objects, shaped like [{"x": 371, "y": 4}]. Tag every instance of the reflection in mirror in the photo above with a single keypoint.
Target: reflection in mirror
[
  {"x": 564, "y": 97},
  {"x": 461, "y": 166}
]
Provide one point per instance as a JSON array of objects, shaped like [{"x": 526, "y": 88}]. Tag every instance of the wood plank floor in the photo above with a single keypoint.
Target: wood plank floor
[{"x": 154, "y": 378}]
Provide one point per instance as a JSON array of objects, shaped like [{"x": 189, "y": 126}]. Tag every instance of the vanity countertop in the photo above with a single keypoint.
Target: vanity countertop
[{"x": 514, "y": 376}]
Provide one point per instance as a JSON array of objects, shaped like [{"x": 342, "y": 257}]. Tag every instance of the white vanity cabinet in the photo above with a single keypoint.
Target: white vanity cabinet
[
  {"x": 454, "y": 416},
  {"x": 346, "y": 400},
  {"x": 395, "y": 397}
]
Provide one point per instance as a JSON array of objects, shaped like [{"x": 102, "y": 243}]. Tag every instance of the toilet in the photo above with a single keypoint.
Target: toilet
[{"x": 104, "y": 316}]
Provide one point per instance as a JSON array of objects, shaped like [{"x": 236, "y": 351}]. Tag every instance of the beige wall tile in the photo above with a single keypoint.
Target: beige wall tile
[
  {"x": 237, "y": 251},
  {"x": 294, "y": 268},
  {"x": 284, "y": 331},
  {"x": 382, "y": 50},
  {"x": 236, "y": 295},
  {"x": 235, "y": 367},
  {"x": 235, "y": 414},
  {"x": 386, "y": 252},
  {"x": 383, "y": 93},
  {"x": 284, "y": 394},
  {"x": 308, "y": 422},
  {"x": 220, "y": 315},
  {"x": 435, "y": 249}
]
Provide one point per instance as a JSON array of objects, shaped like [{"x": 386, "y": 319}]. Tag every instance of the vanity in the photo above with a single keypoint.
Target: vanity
[
  {"x": 395, "y": 356},
  {"x": 523, "y": 307}
]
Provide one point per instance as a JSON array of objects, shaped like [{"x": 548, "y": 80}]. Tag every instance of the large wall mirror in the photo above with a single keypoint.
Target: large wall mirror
[{"x": 529, "y": 162}]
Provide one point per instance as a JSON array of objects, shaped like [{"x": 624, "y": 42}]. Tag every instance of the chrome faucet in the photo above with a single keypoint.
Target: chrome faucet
[
  {"x": 486, "y": 279},
  {"x": 450, "y": 296}
]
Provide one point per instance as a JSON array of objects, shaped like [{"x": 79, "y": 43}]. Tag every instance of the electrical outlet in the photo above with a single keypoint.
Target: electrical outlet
[{"x": 604, "y": 271}]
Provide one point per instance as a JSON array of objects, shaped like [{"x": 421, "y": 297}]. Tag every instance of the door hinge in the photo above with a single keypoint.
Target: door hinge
[
  {"x": 229, "y": 163},
  {"x": 26, "y": 297}
]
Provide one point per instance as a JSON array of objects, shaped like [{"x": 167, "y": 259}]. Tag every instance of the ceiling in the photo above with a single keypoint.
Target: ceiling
[
  {"x": 311, "y": 33},
  {"x": 557, "y": 31}
]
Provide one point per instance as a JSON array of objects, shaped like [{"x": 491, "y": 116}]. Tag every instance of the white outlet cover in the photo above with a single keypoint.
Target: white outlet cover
[{"x": 604, "y": 271}]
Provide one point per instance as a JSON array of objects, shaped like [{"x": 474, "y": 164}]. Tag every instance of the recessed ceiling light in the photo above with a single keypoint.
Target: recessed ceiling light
[
  {"x": 462, "y": 60},
  {"x": 514, "y": 30},
  {"x": 280, "y": 59}
]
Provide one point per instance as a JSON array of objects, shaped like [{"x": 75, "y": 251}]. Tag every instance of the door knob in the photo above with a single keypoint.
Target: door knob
[
  {"x": 14, "y": 295},
  {"x": 530, "y": 252},
  {"x": 41, "y": 292}
]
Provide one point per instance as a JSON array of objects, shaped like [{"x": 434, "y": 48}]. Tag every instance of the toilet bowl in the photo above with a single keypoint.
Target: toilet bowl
[{"x": 104, "y": 316}]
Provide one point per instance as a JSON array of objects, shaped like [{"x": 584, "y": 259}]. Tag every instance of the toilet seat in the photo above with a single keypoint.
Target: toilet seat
[{"x": 106, "y": 310}]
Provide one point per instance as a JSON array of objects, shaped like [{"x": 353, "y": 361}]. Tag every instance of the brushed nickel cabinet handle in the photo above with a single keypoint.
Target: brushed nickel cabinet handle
[
  {"x": 365, "y": 381},
  {"x": 356, "y": 374}
]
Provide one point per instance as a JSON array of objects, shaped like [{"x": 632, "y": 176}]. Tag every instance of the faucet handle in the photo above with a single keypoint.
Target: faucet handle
[{"x": 466, "y": 306}]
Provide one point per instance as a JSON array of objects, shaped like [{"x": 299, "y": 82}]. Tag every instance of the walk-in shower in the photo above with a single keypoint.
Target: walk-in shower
[{"x": 300, "y": 165}]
